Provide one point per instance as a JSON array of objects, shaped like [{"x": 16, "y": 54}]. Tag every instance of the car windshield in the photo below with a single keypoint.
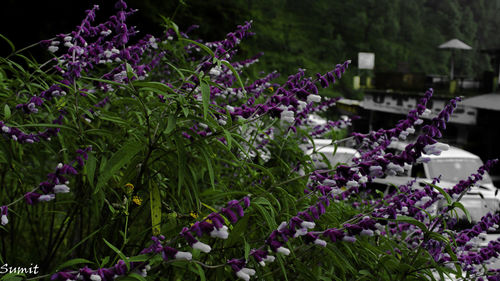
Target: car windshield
[{"x": 456, "y": 169}]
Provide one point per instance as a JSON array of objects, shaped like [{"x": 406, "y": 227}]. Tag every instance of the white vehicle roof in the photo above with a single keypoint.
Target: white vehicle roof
[{"x": 452, "y": 152}]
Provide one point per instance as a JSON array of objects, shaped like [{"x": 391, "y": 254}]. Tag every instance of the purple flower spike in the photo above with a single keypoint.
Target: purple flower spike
[
  {"x": 246, "y": 201},
  {"x": 32, "y": 198},
  {"x": 230, "y": 215}
]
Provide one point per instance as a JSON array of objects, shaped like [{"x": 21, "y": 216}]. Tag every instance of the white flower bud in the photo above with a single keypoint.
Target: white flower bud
[
  {"x": 46, "y": 197},
  {"x": 366, "y": 232},
  {"x": 61, "y": 188},
  {"x": 313, "y": 98},
  {"x": 183, "y": 256},
  {"x": 4, "y": 220},
  {"x": 320, "y": 242},
  {"x": 307, "y": 224},
  {"x": 53, "y": 49},
  {"x": 242, "y": 275},
  {"x": 248, "y": 271},
  {"x": 283, "y": 250},
  {"x": 202, "y": 247}
]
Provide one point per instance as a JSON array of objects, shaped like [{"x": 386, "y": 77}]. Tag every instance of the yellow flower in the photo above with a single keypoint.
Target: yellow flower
[
  {"x": 129, "y": 188},
  {"x": 194, "y": 215},
  {"x": 271, "y": 89},
  {"x": 137, "y": 200}
]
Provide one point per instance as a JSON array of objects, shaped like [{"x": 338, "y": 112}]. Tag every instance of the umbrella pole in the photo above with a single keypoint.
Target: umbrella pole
[{"x": 451, "y": 71}]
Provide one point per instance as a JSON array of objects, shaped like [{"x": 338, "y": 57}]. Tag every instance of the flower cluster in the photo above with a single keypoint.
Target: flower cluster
[
  {"x": 21, "y": 137},
  {"x": 57, "y": 181}
]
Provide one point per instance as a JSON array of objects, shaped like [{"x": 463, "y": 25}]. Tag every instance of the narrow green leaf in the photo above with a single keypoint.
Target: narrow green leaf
[
  {"x": 6, "y": 111},
  {"x": 205, "y": 95},
  {"x": 137, "y": 276},
  {"x": 413, "y": 221},
  {"x": 155, "y": 198},
  {"x": 176, "y": 70},
  {"x": 235, "y": 73},
  {"x": 170, "y": 23},
  {"x": 155, "y": 85},
  {"x": 139, "y": 258},
  {"x": 8, "y": 42},
  {"x": 90, "y": 167},
  {"x": 73, "y": 262},
  {"x": 181, "y": 164},
  {"x": 13, "y": 277},
  {"x": 48, "y": 125},
  {"x": 114, "y": 120},
  {"x": 201, "y": 272},
  {"x": 229, "y": 138},
  {"x": 118, "y": 160},
  {"x": 172, "y": 119},
  {"x": 459, "y": 205},
  {"x": 209, "y": 167},
  {"x": 271, "y": 223},
  {"x": 116, "y": 250},
  {"x": 205, "y": 48},
  {"x": 81, "y": 242},
  {"x": 444, "y": 193}
]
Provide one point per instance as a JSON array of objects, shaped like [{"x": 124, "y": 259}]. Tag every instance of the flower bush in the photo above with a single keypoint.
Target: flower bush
[{"x": 153, "y": 158}]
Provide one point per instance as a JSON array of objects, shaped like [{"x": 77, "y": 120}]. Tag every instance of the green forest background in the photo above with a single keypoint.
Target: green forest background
[{"x": 315, "y": 35}]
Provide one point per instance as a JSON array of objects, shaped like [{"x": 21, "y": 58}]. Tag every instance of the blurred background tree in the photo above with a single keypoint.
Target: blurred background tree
[{"x": 315, "y": 35}]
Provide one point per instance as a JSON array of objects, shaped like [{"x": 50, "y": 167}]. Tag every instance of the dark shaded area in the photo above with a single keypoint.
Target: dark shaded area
[{"x": 314, "y": 35}]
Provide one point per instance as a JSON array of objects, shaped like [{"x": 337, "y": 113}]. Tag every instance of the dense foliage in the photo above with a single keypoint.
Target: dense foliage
[{"x": 155, "y": 158}]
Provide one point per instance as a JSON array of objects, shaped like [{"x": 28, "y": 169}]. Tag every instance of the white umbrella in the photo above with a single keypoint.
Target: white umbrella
[{"x": 454, "y": 44}]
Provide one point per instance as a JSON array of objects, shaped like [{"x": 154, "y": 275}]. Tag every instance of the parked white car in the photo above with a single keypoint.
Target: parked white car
[{"x": 452, "y": 165}]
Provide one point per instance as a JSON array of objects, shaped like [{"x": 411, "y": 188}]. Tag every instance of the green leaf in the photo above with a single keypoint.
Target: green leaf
[
  {"x": 205, "y": 95},
  {"x": 229, "y": 138},
  {"x": 235, "y": 73},
  {"x": 73, "y": 262},
  {"x": 117, "y": 251},
  {"x": 271, "y": 222},
  {"x": 444, "y": 193},
  {"x": 209, "y": 166},
  {"x": 6, "y": 111},
  {"x": 205, "y": 48},
  {"x": 130, "y": 71},
  {"x": 48, "y": 125},
  {"x": 118, "y": 160},
  {"x": 137, "y": 276},
  {"x": 172, "y": 119},
  {"x": 413, "y": 221},
  {"x": 181, "y": 163},
  {"x": 170, "y": 23},
  {"x": 155, "y": 85},
  {"x": 12, "y": 277},
  {"x": 113, "y": 119},
  {"x": 8, "y": 42},
  {"x": 176, "y": 70},
  {"x": 155, "y": 198},
  {"x": 90, "y": 167},
  {"x": 200, "y": 272},
  {"x": 139, "y": 258},
  {"x": 459, "y": 205}
]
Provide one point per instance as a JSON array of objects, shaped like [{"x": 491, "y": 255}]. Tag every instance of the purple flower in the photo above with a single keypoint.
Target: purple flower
[{"x": 4, "y": 211}]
